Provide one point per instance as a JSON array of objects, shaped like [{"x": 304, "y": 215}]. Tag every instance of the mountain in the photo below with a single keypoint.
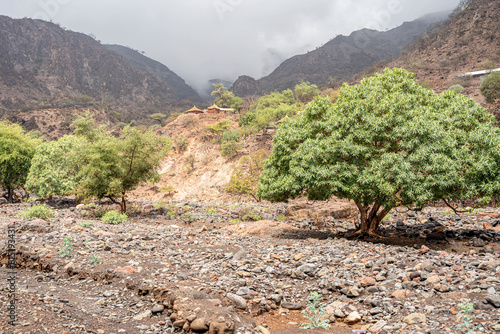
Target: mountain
[
  {"x": 45, "y": 67},
  {"x": 339, "y": 59},
  {"x": 179, "y": 87},
  {"x": 469, "y": 41}
]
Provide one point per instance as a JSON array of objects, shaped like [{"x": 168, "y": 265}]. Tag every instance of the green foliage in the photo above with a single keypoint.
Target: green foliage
[
  {"x": 245, "y": 176},
  {"x": 490, "y": 87},
  {"x": 181, "y": 143},
  {"x": 306, "y": 92},
  {"x": 235, "y": 221},
  {"x": 250, "y": 213},
  {"x": 457, "y": 88},
  {"x": 41, "y": 211},
  {"x": 269, "y": 109},
  {"x": 426, "y": 85},
  {"x": 86, "y": 224},
  {"x": 465, "y": 325},
  {"x": 188, "y": 218},
  {"x": 386, "y": 142},
  {"x": 54, "y": 167},
  {"x": 225, "y": 98},
  {"x": 67, "y": 249},
  {"x": 211, "y": 210},
  {"x": 172, "y": 213},
  {"x": 94, "y": 259},
  {"x": 114, "y": 217},
  {"x": 280, "y": 218},
  {"x": 110, "y": 166},
  {"x": 314, "y": 311},
  {"x": 158, "y": 117},
  {"x": 17, "y": 149},
  {"x": 486, "y": 65},
  {"x": 230, "y": 149}
]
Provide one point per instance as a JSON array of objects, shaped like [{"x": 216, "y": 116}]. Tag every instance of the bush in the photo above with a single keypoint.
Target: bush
[
  {"x": 246, "y": 175},
  {"x": 387, "y": 142},
  {"x": 114, "y": 217},
  {"x": 490, "y": 87},
  {"x": 41, "y": 211},
  {"x": 181, "y": 143},
  {"x": 306, "y": 92},
  {"x": 457, "y": 88},
  {"x": 230, "y": 149},
  {"x": 486, "y": 65}
]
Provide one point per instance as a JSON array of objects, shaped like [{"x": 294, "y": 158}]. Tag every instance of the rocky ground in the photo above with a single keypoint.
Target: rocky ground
[{"x": 193, "y": 267}]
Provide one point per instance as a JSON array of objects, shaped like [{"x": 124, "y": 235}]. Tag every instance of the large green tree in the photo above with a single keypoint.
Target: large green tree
[
  {"x": 386, "y": 142},
  {"x": 306, "y": 92},
  {"x": 112, "y": 166},
  {"x": 17, "y": 148},
  {"x": 224, "y": 98},
  {"x": 55, "y": 166}
]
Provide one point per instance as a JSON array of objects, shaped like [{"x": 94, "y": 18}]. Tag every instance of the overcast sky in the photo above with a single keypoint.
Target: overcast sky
[{"x": 206, "y": 39}]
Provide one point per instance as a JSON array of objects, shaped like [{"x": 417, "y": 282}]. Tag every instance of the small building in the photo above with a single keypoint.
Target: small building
[
  {"x": 227, "y": 110},
  {"x": 213, "y": 109},
  {"x": 194, "y": 110}
]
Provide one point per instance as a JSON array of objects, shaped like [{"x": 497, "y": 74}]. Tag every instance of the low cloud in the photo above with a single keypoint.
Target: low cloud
[{"x": 202, "y": 40}]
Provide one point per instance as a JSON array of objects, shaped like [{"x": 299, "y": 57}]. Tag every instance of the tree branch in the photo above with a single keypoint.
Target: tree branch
[{"x": 454, "y": 210}]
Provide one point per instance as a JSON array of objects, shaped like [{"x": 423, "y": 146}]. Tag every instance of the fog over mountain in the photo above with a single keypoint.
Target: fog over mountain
[{"x": 201, "y": 40}]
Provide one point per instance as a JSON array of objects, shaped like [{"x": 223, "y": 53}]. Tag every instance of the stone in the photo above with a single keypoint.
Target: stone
[
  {"x": 179, "y": 323},
  {"x": 109, "y": 293},
  {"x": 263, "y": 330},
  {"x": 353, "y": 318},
  {"x": 428, "y": 265},
  {"x": 199, "y": 325},
  {"x": 276, "y": 298},
  {"x": 494, "y": 300},
  {"x": 433, "y": 279},
  {"x": 376, "y": 310},
  {"x": 378, "y": 326},
  {"x": 307, "y": 268},
  {"x": 239, "y": 256},
  {"x": 126, "y": 270},
  {"x": 441, "y": 287},
  {"x": 367, "y": 281},
  {"x": 158, "y": 308},
  {"x": 3, "y": 200},
  {"x": 352, "y": 292},
  {"x": 143, "y": 316},
  {"x": 221, "y": 326},
  {"x": 292, "y": 306},
  {"x": 239, "y": 301},
  {"x": 398, "y": 294},
  {"x": 477, "y": 242},
  {"x": 415, "y": 318}
]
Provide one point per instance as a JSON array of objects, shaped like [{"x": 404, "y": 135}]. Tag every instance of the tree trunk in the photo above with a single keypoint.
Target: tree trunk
[
  {"x": 9, "y": 194},
  {"x": 370, "y": 218},
  {"x": 123, "y": 204}
]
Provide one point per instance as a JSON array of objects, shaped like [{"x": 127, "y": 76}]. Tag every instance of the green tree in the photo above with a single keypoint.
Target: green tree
[
  {"x": 17, "y": 148},
  {"x": 386, "y": 142},
  {"x": 159, "y": 117},
  {"x": 225, "y": 98},
  {"x": 112, "y": 166},
  {"x": 306, "y": 92},
  {"x": 490, "y": 87},
  {"x": 245, "y": 176},
  {"x": 55, "y": 166}
]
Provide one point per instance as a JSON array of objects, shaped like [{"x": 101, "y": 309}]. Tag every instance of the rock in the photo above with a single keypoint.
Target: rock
[
  {"x": 424, "y": 249},
  {"x": 276, "y": 298},
  {"x": 307, "y": 268},
  {"x": 239, "y": 301},
  {"x": 158, "y": 308},
  {"x": 352, "y": 292},
  {"x": 367, "y": 281},
  {"x": 179, "y": 323},
  {"x": 353, "y": 318},
  {"x": 77, "y": 228},
  {"x": 378, "y": 326},
  {"x": 441, "y": 287},
  {"x": 109, "y": 293},
  {"x": 143, "y": 316},
  {"x": 263, "y": 330},
  {"x": 199, "y": 325},
  {"x": 433, "y": 279},
  {"x": 476, "y": 242},
  {"x": 414, "y": 275},
  {"x": 239, "y": 256},
  {"x": 126, "y": 270},
  {"x": 3, "y": 200},
  {"x": 292, "y": 306},
  {"x": 428, "y": 265},
  {"x": 415, "y": 318},
  {"x": 398, "y": 294},
  {"x": 376, "y": 310},
  {"x": 494, "y": 300},
  {"x": 71, "y": 269},
  {"x": 81, "y": 207},
  {"x": 221, "y": 326}
]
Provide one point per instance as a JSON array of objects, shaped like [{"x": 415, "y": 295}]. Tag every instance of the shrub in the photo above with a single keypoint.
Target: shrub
[
  {"x": 246, "y": 175},
  {"x": 67, "y": 249},
  {"x": 230, "y": 149},
  {"x": 486, "y": 65},
  {"x": 305, "y": 92},
  {"x": 114, "y": 217},
  {"x": 387, "y": 142},
  {"x": 490, "y": 87},
  {"x": 41, "y": 211},
  {"x": 457, "y": 88},
  {"x": 181, "y": 143}
]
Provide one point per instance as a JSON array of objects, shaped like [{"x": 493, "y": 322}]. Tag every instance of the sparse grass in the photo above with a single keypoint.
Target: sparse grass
[
  {"x": 114, "y": 217},
  {"x": 211, "y": 210},
  {"x": 235, "y": 221},
  {"x": 67, "y": 249},
  {"x": 94, "y": 259},
  {"x": 41, "y": 211},
  {"x": 86, "y": 224},
  {"x": 465, "y": 325},
  {"x": 280, "y": 218}
]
